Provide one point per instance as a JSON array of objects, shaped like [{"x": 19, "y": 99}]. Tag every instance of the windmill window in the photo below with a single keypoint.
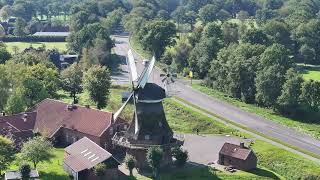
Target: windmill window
[
  {"x": 111, "y": 131},
  {"x": 147, "y": 137}
]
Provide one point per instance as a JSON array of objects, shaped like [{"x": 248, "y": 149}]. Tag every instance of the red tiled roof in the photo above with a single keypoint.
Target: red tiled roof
[
  {"x": 85, "y": 154},
  {"x": 53, "y": 114},
  {"x": 21, "y": 121},
  {"x": 233, "y": 150}
]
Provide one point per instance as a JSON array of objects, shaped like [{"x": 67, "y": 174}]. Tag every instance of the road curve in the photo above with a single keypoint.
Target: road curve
[{"x": 228, "y": 111}]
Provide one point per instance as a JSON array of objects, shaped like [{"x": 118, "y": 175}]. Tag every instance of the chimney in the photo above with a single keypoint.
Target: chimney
[
  {"x": 87, "y": 106},
  {"x": 3, "y": 113},
  {"x": 71, "y": 107},
  {"x": 242, "y": 145}
]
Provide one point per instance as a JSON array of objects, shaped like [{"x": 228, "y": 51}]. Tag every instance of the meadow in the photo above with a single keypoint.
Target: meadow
[{"x": 61, "y": 46}]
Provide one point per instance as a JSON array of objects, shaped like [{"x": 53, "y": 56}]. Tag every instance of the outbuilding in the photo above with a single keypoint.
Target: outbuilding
[
  {"x": 237, "y": 156},
  {"x": 82, "y": 156}
]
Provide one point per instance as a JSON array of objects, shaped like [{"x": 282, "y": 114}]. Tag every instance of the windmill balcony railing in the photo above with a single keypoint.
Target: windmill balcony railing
[{"x": 120, "y": 140}]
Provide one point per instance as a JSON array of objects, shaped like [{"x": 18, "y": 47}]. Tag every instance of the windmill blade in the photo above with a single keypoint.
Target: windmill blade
[
  {"x": 117, "y": 114},
  {"x": 163, "y": 80},
  {"x": 145, "y": 76},
  {"x": 132, "y": 66}
]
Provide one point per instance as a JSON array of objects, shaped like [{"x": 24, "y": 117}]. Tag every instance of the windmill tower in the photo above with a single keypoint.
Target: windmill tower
[{"x": 149, "y": 126}]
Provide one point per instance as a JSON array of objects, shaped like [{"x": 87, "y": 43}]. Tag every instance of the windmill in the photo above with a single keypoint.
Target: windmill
[{"x": 149, "y": 126}]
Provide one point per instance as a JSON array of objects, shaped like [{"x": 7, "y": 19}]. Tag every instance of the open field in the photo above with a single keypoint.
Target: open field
[
  {"x": 309, "y": 128},
  {"x": 61, "y": 46},
  {"x": 310, "y": 72}
]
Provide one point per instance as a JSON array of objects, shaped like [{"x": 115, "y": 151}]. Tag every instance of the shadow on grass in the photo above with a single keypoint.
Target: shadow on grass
[
  {"x": 304, "y": 69},
  {"x": 53, "y": 176},
  {"x": 264, "y": 173}
]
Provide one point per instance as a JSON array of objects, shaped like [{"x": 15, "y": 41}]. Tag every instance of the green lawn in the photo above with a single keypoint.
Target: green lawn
[
  {"x": 310, "y": 72},
  {"x": 309, "y": 128},
  {"x": 49, "y": 170},
  {"x": 61, "y": 46}
]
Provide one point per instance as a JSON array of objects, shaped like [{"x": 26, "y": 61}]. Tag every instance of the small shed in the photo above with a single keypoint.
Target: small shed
[
  {"x": 237, "y": 156},
  {"x": 83, "y": 155},
  {"x": 16, "y": 175}
]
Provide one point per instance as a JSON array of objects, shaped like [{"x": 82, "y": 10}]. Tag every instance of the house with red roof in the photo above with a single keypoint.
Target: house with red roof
[{"x": 64, "y": 123}]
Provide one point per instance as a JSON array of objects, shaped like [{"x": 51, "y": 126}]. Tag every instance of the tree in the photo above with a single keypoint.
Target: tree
[
  {"x": 72, "y": 80},
  {"x": 308, "y": 54},
  {"x": 255, "y": 36},
  {"x": 180, "y": 155},
  {"x": 234, "y": 70},
  {"x": 4, "y": 86},
  {"x": 25, "y": 170},
  {"x": 230, "y": 33},
  {"x": 310, "y": 95},
  {"x": 20, "y": 27},
  {"x": 288, "y": 101},
  {"x": 16, "y": 102},
  {"x": 130, "y": 162},
  {"x": 157, "y": 35},
  {"x": 273, "y": 66},
  {"x": 179, "y": 15},
  {"x": 99, "y": 170},
  {"x": 4, "y": 12},
  {"x": 33, "y": 91},
  {"x": 97, "y": 82},
  {"x": 278, "y": 32},
  {"x": 6, "y": 153},
  {"x": 4, "y": 55},
  {"x": 154, "y": 157},
  {"x": 208, "y": 13},
  {"x": 36, "y": 150}
]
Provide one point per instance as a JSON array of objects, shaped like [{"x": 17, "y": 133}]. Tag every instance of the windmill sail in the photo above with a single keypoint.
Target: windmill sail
[
  {"x": 132, "y": 66},
  {"x": 146, "y": 74},
  {"x": 117, "y": 114}
]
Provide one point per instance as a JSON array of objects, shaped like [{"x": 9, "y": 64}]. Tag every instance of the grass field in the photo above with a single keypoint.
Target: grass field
[
  {"x": 310, "y": 72},
  {"x": 309, "y": 128},
  {"x": 61, "y": 46},
  {"x": 49, "y": 170}
]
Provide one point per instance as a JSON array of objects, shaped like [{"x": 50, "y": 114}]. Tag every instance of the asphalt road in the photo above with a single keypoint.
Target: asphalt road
[{"x": 225, "y": 110}]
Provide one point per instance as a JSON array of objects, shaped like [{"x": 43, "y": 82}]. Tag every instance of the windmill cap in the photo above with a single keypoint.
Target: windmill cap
[{"x": 151, "y": 91}]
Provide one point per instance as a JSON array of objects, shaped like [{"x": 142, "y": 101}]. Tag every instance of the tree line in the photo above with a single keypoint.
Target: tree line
[{"x": 244, "y": 48}]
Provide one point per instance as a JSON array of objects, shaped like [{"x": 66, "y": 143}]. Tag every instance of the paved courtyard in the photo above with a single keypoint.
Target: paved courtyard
[{"x": 204, "y": 149}]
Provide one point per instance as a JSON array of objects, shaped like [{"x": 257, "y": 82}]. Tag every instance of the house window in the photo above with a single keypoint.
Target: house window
[
  {"x": 147, "y": 137},
  {"x": 105, "y": 145},
  {"x": 74, "y": 139}
]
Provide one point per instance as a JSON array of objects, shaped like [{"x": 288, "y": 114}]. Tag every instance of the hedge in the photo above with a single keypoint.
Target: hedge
[{"x": 32, "y": 38}]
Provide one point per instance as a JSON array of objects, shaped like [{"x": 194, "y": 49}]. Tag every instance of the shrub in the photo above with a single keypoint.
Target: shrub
[
  {"x": 99, "y": 170},
  {"x": 181, "y": 156},
  {"x": 25, "y": 171},
  {"x": 130, "y": 163}
]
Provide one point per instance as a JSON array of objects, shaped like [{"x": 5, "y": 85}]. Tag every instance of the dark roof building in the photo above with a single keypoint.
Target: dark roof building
[
  {"x": 237, "y": 156},
  {"x": 83, "y": 155}
]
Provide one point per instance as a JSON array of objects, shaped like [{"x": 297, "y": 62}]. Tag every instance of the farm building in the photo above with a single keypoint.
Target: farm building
[
  {"x": 237, "y": 156},
  {"x": 82, "y": 156},
  {"x": 63, "y": 123}
]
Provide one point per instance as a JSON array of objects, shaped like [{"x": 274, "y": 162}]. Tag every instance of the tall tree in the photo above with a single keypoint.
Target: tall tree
[
  {"x": 6, "y": 153},
  {"x": 97, "y": 82},
  {"x": 20, "y": 27},
  {"x": 208, "y": 13},
  {"x": 310, "y": 95},
  {"x": 130, "y": 163},
  {"x": 72, "y": 80},
  {"x": 4, "y": 86},
  {"x": 154, "y": 157},
  {"x": 288, "y": 101},
  {"x": 36, "y": 150},
  {"x": 157, "y": 35},
  {"x": 273, "y": 66}
]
